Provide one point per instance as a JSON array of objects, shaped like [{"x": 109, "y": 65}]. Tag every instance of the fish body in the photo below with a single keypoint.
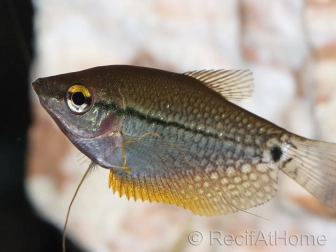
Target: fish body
[{"x": 178, "y": 138}]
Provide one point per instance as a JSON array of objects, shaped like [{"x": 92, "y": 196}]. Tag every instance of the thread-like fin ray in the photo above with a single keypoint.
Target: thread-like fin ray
[
  {"x": 234, "y": 85},
  {"x": 161, "y": 171},
  {"x": 89, "y": 169}
]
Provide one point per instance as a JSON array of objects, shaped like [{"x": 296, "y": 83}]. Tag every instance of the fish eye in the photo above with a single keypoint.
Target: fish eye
[{"x": 78, "y": 99}]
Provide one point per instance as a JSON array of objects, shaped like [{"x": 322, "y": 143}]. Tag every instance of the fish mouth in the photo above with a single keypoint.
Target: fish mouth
[
  {"x": 38, "y": 86},
  {"x": 40, "y": 89}
]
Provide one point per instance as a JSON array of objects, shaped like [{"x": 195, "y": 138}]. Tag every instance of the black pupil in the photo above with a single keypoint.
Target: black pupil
[
  {"x": 78, "y": 98},
  {"x": 276, "y": 153}
]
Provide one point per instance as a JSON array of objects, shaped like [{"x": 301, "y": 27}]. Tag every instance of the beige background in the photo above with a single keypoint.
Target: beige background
[{"x": 290, "y": 45}]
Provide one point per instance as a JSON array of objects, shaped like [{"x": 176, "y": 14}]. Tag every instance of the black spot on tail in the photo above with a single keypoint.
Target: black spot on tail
[{"x": 276, "y": 153}]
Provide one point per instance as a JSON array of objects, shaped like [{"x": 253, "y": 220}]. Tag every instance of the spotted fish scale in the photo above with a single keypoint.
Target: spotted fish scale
[{"x": 233, "y": 138}]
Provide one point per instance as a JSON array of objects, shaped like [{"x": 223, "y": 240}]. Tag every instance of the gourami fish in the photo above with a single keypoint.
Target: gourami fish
[{"x": 178, "y": 139}]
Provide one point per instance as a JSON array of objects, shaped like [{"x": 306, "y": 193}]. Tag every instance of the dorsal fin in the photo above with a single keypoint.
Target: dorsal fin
[{"x": 234, "y": 85}]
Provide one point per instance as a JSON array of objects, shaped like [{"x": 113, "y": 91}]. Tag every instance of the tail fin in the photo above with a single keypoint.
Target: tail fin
[{"x": 313, "y": 165}]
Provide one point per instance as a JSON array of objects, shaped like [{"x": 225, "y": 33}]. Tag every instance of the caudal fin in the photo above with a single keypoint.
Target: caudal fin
[{"x": 313, "y": 166}]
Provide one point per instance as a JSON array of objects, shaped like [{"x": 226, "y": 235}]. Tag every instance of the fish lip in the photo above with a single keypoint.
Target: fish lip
[
  {"x": 38, "y": 86},
  {"x": 37, "y": 83}
]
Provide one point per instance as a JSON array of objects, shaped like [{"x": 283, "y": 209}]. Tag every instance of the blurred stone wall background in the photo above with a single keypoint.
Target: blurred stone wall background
[{"x": 290, "y": 45}]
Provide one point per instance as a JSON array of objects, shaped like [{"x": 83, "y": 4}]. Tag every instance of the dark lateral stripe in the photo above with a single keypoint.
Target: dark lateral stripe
[{"x": 129, "y": 111}]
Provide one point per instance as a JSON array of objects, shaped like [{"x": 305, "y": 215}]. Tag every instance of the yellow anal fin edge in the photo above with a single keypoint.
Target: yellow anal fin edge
[{"x": 202, "y": 193}]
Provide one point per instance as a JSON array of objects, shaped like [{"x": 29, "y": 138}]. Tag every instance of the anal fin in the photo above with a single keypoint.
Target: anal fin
[{"x": 161, "y": 172}]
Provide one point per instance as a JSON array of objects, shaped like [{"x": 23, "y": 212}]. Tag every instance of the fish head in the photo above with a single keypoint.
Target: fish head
[{"x": 84, "y": 107}]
